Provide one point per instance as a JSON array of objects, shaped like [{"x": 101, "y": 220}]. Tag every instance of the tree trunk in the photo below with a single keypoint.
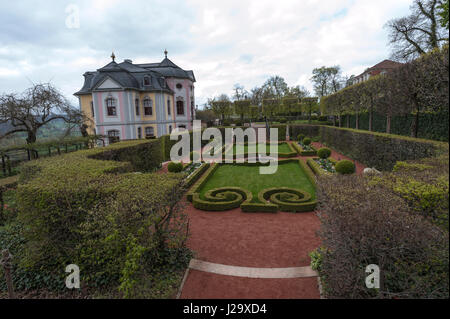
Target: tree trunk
[
  {"x": 371, "y": 119},
  {"x": 388, "y": 124},
  {"x": 415, "y": 131},
  {"x": 357, "y": 121},
  {"x": 348, "y": 120},
  {"x": 334, "y": 120},
  {"x": 31, "y": 137},
  {"x": 340, "y": 120}
]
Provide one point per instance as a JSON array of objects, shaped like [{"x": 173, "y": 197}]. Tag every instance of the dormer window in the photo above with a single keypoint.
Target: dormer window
[{"x": 146, "y": 80}]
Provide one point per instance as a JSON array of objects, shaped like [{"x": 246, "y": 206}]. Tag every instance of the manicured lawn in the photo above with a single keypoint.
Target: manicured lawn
[
  {"x": 248, "y": 177},
  {"x": 282, "y": 148}
]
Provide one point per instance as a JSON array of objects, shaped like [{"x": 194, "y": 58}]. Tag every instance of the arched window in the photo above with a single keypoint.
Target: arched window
[
  {"x": 180, "y": 107},
  {"x": 149, "y": 131},
  {"x": 111, "y": 107},
  {"x": 148, "y": 106},
  {"x": 136, "y": 105}
]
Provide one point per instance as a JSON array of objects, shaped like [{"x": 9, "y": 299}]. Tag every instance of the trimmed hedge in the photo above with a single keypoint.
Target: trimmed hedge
[
  {"x": 345, "y": 167},
  {"x": 220, "y": 199},
  {"x": 226, "y": 198},
  {"x": 302, "y": 152},
  {"x": 324, "y": 152},
  {"x": 175, "y": 167},
  {"x": 189, "y": 181},
  {"x": 315, "y": 167},
  {"x": 373, "y": 149},
  {"x": 305, "y": 129},
  {"x": 61, "y": 198},
  {"x": 288, "y": 199},
  {"x": 293, "y": 152}
]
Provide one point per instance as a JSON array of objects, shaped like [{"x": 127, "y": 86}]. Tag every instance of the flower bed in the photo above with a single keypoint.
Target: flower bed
[
  {"x": 304, "y": 150},
  {"x": 322, "y": 166}
]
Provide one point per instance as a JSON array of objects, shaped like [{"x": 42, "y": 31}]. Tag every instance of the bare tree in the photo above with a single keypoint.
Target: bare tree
[
  {"x": 34, "y": 108},
  {"x": 417, "y": 33},
  {"x": 240, "y": 93}
]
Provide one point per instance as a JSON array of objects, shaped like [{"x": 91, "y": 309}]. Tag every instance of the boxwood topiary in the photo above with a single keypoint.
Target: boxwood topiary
[
  {"x": 324, "y": 152},
  {"x": 306, "y": 141},
  {"x": 300, "y": 137},
  {"x": 175, "y": 167},
  {"x": 345, "y": 167}
]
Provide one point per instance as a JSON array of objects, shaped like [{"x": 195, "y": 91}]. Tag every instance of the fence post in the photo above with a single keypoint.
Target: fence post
[
  {"x": 3, "y": 165},
  {"x": 6, "y": 263},
  {"x": 59, "y": 150}
]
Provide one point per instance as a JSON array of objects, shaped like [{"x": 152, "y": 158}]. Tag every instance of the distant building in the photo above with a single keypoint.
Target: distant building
[
  {"x": 133, "y": 101},
  {"x": 383, "y": 67}
]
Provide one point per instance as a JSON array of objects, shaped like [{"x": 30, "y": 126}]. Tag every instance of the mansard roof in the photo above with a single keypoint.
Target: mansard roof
[{"x": 131, "y": 76}]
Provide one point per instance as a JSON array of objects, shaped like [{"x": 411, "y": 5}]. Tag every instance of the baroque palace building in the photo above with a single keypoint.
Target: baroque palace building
[{"x": 132, "y": 101}]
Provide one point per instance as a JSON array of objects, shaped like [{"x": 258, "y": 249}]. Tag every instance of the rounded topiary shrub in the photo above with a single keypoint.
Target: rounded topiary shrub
[
  {"x": 345, "y": 167},
  {"x": 175, "y": 167},
  {"x": 324, "y": 152},
  {"x": 300, "y": 137},
  {"x": 306, "y": 141}
]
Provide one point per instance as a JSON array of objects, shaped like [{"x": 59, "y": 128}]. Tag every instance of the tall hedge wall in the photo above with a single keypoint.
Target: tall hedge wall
[
  {"x": 432, "y": 126},
  {"x": 373, "y": 149}
]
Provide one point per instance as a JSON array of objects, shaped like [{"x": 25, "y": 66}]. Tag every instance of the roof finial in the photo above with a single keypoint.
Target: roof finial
[
  {"x": 165, "y": 53},
  {"x": 113, "y": 56}
]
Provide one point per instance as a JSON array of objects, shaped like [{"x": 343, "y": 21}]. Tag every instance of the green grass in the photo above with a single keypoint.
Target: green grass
[
  {"x": 282, "y": 148},
  {"x": 248, "y": 177}
]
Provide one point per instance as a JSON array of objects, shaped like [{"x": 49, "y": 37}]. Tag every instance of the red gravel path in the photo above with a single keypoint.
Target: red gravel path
[
  {"x": 253, "y": 239},
  {"x": 202, "y": 285}
]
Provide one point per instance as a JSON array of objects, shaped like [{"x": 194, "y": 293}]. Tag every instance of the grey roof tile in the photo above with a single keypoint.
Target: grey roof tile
[{"x": 131, "y": 76}]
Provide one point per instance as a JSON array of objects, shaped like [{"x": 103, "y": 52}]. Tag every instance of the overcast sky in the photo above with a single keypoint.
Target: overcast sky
[{"x": 223, "y": 42}]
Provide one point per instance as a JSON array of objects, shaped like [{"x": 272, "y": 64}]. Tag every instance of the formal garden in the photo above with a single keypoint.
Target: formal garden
[
  {"x": 122, "y": 212},
  {"x": 114, "y": 212}
]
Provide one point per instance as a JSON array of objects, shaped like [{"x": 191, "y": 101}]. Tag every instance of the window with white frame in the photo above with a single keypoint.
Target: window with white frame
[
  {"x": 148, "y": 107},
  {"x": 111, "y": 107}
]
